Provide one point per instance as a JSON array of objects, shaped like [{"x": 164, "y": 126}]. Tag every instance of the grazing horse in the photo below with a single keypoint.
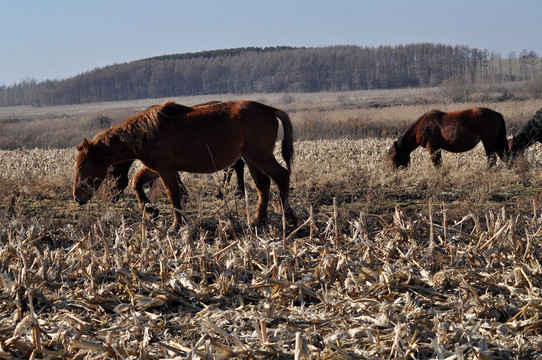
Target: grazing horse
[
  {"x": 457, "y": 131},
  {"x": 170, "y": 137},
  {"x": 529, "y": 134}
]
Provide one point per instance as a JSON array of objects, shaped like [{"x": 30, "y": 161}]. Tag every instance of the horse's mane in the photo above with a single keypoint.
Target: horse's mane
[
  {"x": 403, "y": 142},
  {"x": 142, "y": 128},
  {"x": 531, "y": 131}
]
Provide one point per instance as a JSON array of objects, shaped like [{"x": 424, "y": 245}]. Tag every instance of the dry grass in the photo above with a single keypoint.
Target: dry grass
[
  {"x": 353, "y": 115},
  {"x": 420, "y": 264}
]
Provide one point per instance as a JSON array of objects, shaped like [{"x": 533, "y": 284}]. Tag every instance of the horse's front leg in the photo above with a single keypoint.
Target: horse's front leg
[
  {"x": 263, "y": 183},
  {"x": 491, "y": 153},
  {"x": 169, "y": 179},
  {"x": 144, "y": 176}
]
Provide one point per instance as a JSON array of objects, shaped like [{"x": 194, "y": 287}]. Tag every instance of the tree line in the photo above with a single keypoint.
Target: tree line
[{"x": 279, "y": 69}]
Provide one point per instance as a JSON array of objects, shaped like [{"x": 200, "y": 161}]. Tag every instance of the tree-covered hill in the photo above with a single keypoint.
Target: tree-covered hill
[{"x": 278, "y": 69}]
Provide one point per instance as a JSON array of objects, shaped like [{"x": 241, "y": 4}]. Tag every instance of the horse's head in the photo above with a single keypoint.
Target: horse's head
[
  {"x": 399, "y": 158},
  {"x": 515, "y": 148},
  {"x": 89, "y": 173}
]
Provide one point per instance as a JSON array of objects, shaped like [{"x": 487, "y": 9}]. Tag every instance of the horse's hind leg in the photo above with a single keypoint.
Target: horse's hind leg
[
  {"x": 262, "y": 183},
  {"x": 491, "y": 155},
  {"x": 281, "y": 177}
]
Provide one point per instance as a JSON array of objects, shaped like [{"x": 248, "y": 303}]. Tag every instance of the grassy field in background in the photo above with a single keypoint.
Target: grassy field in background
[{"x": 354, "y": 115}]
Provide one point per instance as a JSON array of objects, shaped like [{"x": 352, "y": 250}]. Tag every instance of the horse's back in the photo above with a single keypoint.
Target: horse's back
[
  {"x": 213, "y": 136},
  {"x": 488, "y": 115},
  {"x": 490, "y": 124},
  {"x": 474, "y": 119},
  {"x": 462, "y": 130}
]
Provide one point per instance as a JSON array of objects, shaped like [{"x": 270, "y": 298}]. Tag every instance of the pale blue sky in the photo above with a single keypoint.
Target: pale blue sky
[{"x": 56, "y": 39}]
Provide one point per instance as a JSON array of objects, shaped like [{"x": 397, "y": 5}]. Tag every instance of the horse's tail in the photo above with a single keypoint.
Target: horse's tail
[{"x": 288, "y": 139}]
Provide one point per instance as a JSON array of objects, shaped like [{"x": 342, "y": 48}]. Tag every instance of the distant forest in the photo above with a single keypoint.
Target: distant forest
[{"x": 279, "y": 69}]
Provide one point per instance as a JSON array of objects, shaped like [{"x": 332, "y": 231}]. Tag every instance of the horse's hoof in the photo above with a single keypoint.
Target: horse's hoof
[
  {"x": 174, "y": 229},
  {"x": 291, "y": 218},
  {"x": 292, "y": 221},
  {"x": 240, "y": 196},
  {"x": 151, "y": 211},
  {"x": 259, "y": 223}
]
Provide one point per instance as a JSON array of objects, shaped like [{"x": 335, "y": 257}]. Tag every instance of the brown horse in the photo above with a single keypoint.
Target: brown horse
[
  {"x": 171, "y": 137},
  {"x": 457, "y": 131}
]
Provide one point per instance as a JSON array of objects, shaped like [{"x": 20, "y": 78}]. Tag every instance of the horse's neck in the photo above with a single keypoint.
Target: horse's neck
[
  {"x": 407, "y": 142},
  {"x": 116, "y": 152}
]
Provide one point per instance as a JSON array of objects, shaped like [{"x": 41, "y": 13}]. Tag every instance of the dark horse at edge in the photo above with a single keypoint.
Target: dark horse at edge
[
  {"x": 169, "y": 138},
  {"x": 457, "y": 132},
  {"x": 528, "y": 135}
]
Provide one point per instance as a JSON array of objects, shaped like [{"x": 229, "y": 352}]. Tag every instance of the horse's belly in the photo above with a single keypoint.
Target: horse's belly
[
  {"x": 207, "y": 160},
  {"x": 204, "y": 167},
  {"x": 462, "y": 145},
  {"x": 200, "y": 151}
]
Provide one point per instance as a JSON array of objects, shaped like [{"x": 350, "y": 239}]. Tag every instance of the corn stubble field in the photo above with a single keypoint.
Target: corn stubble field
[{"x": 422, "y": 263}]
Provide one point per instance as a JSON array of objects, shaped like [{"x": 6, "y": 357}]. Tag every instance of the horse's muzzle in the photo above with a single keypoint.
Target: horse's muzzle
[{"x": 80, "y": 197}]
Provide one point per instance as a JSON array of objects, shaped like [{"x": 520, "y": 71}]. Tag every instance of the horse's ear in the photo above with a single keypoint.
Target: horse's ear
[
  {"x": 393, "y": 148},
  {"x": 84, "y": 145}
]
